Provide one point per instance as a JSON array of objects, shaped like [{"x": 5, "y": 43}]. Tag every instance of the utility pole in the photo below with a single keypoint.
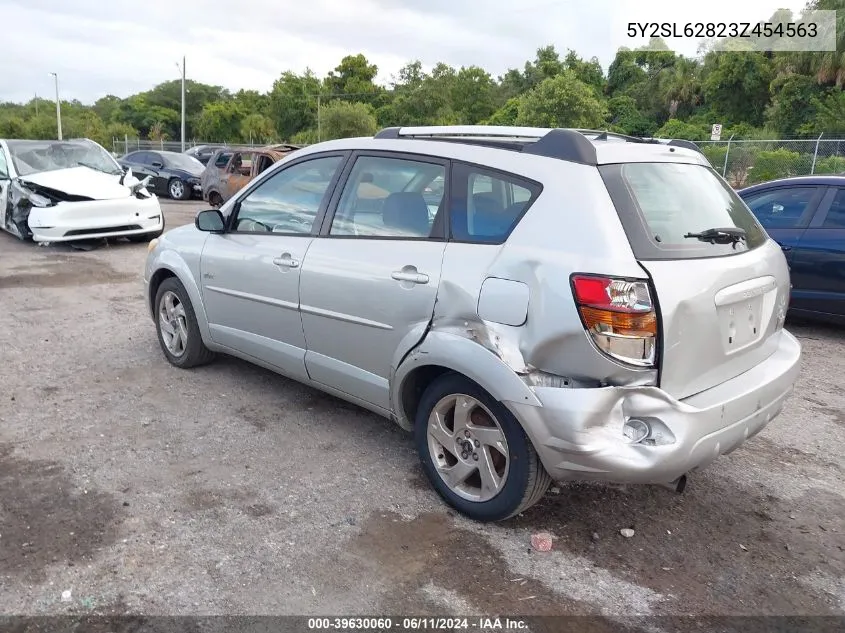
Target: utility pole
[
  {"x": 58, "y": 107},
  {"x": 319, "y": 127},
  {"x": 183, "y": 100}
]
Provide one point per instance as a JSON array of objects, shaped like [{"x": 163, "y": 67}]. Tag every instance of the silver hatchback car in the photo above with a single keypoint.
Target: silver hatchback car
[{"x": 533, "y": 304}]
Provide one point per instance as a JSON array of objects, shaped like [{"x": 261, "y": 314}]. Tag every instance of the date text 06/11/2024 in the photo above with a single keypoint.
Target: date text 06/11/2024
[
  {"x": 723, "y": 29},
  {"x": 381, "y": 624}
]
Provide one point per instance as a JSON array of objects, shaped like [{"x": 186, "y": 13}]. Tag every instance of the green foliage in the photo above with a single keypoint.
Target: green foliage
[
  {"x": 792, "y": 103},
  {"x": 562, "y": 101},
  {"x": 673, "y": 128},
  {"x": 778, "y": 163},
  {"x": 341, "y": 119},
  {"x": 830, "y": 165},
  {"x": 625, "y": 117},
  {"x": 736, "y": 86},
  {"x": 830, "y": 115}
]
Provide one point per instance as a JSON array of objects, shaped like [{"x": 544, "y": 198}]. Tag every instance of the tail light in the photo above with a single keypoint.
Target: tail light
[{"x": 620, "y": 317}]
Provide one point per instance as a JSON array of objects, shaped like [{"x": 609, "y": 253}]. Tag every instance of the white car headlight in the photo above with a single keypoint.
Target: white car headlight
[{"x": 23, "y": 196}]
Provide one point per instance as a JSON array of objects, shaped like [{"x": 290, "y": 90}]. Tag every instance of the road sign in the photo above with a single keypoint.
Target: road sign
[{"x": 716, "y": 132}]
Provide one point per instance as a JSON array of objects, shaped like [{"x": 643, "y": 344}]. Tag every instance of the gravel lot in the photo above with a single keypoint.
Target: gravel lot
[{"x": 230, "y": 490}]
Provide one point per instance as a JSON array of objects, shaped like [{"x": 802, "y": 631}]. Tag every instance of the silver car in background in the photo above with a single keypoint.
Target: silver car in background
[{"x": 533, "y": 304}]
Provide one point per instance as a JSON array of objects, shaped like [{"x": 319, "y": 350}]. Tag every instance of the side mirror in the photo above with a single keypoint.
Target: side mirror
[
  {"x": 211, "y": 221},
  {"x": 157, "y": 165}
]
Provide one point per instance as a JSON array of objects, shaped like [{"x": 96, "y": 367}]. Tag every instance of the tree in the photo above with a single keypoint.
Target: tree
[
  {"x": 736, "y": 85},
  {"x": 830, "y": 114},
  {"x": 353, "y": 76},
  {"x": 472, "y": 95},
  {"x": 562, "y": 101},
  {"x": 293, "y": 102},
  {"x": 257, "y": 128},
  {"x": 627, "y": 118},
  {"x": 792, "y": 103},
  {"x": 590, "y": 72},
  {"x": 13, "y": 126},
  {"x": 624, "y": 72},
  {"x": 220, "y": 122},
  {"x": 341, "y": 119}
]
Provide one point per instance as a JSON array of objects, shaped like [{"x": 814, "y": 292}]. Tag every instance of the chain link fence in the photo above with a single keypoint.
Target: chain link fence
[
  {"x": 121, "y": 146},
  {"x": 745, "y": 163}
]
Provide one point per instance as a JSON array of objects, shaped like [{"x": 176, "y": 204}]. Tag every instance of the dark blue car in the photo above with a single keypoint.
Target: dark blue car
[{"x": 806, "y": 216}]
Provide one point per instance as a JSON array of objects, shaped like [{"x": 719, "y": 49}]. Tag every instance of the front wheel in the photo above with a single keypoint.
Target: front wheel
[
  {"x": 475, "y": 453},
  {"x": 176, "y": 325},
  {"x": 178, "y": 189}
]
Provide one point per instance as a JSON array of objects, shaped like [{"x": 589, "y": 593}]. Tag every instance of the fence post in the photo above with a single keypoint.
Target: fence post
[
  {"x": 815, "y": 154},
  {"x": 126, "y": 143},
  {"x": 727, "y": 152}
]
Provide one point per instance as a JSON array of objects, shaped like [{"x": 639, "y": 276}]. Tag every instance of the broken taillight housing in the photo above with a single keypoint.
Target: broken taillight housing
[{"x": 620, "y": 317}]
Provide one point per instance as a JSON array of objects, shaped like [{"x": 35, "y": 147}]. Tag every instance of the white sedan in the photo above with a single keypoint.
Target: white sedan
[{"x": 59, "y": 191}]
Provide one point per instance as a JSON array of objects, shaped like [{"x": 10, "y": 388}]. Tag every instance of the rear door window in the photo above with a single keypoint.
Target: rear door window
[
  {"x": 661, "y": 204},
  {"x": 783, "y": 207},
  {"x": 486, "y": 205},
  {"x": 835, "y": 218}
]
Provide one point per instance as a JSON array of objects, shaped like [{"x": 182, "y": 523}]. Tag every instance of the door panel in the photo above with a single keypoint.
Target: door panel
[
  {"x": 251, "y": 296},
  {"x": 818, "y": 269},
  {"x": 251, "y": 273},
  {"x": 360, "y": 299},
  {"x": 369, "y": 284}
]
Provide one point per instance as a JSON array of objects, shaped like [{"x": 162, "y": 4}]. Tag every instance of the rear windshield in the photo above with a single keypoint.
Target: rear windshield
[{"x": 660, "y": 203}]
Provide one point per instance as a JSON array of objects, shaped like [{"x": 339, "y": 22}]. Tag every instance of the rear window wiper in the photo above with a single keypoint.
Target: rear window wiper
[{"x": 730, "y": 235}]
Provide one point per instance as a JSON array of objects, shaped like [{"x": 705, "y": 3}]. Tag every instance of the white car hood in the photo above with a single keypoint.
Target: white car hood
[{"x": 83, "y": 181}]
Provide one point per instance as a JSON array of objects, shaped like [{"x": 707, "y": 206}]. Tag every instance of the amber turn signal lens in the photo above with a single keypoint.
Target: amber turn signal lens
[{"x": 624, "y": 323}]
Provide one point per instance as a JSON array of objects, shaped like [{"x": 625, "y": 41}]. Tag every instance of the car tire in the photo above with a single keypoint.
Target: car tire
[
  {"x": 178, "y": 189},
  {"x": 523, "y": 480},
  {"x": 191, "y": 352}
]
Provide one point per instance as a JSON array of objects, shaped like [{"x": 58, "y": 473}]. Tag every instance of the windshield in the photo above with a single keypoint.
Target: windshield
[
  {"x": 184, "y": 161},
  {"x": 32, "y": 157},
  {"x": 661, "y": 204}
]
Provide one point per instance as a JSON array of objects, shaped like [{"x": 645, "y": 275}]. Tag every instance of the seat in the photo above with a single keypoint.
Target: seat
[{"x": 407, "y": 212}]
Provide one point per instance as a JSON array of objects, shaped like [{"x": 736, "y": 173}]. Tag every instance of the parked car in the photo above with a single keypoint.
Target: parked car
[
  {"x": 230, "y": 169},
  {"x": 60, "y": 191},
  {"x": 806, "y": 216},
  {"x": 581, "y": 305},
  {"x": 203, "y": 152},
  {"x": 172, "y": 174}
]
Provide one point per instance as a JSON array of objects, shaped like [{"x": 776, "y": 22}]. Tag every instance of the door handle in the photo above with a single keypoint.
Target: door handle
[
  {"x": 785, "y": 248},
  {"x": 414, "y": 278},
  {"x": 286, "y": 261}
]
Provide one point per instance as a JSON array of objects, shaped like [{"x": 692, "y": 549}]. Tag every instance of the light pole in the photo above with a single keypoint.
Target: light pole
[
  {"x": 182, "y": 68},
  {"x": 58, "y": 107}
]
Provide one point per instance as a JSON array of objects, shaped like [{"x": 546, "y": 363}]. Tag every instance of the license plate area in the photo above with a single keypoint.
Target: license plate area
[{"x": 740, "y": 323}]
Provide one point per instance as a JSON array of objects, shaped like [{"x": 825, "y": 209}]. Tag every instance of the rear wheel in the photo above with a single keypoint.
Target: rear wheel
[
  {"x": 475, "y": 453},
  {"x": 215, "y": 200},
  {"x": 176, "y": 325}
]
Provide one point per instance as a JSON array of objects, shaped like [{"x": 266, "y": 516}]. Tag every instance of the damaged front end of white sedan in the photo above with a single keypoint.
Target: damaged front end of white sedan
[{"x": 62, "y": 191}]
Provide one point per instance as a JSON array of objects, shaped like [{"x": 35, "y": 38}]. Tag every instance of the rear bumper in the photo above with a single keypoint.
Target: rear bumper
[
  {"x": 578, "y": 433},
  {"x": 68, "y": 221}
]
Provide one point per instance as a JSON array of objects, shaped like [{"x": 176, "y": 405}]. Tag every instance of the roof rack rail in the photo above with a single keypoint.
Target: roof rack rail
[
  {"x": 569, "y": 144},
  {"x": 565, "y": 144}
]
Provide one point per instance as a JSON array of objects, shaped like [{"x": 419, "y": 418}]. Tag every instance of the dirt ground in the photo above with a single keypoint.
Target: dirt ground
[{"x": 141, "y": 488}]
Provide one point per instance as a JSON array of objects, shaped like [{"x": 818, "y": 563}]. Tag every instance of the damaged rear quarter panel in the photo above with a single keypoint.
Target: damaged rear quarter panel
[{"x": 551, "y": 242}]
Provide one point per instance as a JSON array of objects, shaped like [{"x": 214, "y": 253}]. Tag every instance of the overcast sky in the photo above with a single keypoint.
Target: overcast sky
[{"x": 120, "y": 47}]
